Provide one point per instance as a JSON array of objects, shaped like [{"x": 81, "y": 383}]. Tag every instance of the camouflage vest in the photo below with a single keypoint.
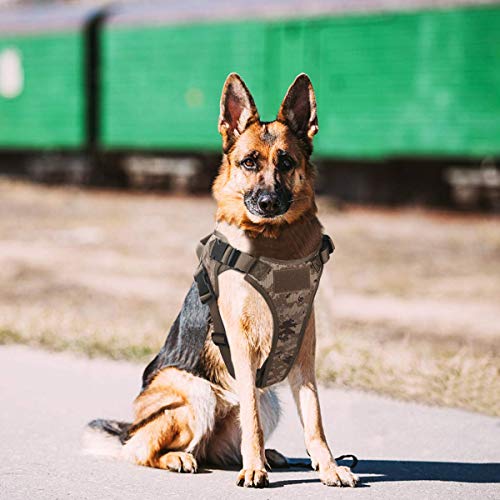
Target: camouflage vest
[{"x": 287, "y": 286}]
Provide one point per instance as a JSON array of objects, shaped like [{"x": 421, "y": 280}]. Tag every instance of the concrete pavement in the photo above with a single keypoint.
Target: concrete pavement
[{"x": 406, "y": 450}]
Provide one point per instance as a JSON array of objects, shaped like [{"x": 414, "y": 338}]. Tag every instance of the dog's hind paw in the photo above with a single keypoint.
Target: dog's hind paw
[
  {"x": 253, "y": 478},
  {"x": 337, "y": 475},
  {"x": 178, "y": 461}
]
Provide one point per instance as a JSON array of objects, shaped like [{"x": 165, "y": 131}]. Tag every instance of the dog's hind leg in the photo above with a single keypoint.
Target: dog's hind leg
[
  {"x": 175, "y": 415},
  {"x": 169, "y": 429}
]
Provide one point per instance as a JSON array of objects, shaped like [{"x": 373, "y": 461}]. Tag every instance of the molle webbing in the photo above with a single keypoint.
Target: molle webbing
[{"x": 287, "y": 286}]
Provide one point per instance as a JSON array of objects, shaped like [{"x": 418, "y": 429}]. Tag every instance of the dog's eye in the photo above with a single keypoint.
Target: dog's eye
[
  {"x": 249, "y": 163},
  {"x": 285, "y": 162}
]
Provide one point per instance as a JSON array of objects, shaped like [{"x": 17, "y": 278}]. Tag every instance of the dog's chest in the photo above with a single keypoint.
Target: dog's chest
[
  {"x": 245, "y": 311},
  {"x": 270, "y": 315}
]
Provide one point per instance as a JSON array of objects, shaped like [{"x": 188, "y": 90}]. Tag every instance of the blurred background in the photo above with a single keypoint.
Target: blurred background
[{"x": 109, "y": 145}]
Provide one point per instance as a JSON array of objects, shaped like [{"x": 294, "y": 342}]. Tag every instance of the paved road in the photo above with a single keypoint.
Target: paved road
[{"x": 407, "y": 451}]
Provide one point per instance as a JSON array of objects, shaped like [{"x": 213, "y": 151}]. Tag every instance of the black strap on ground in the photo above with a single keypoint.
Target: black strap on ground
[
  {"x": 354, "y": 459},
  {"x": 306, "y": 462}
]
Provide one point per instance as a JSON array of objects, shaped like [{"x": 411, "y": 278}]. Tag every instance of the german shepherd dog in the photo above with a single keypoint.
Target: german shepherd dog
[{"x": 265, "y": 207}]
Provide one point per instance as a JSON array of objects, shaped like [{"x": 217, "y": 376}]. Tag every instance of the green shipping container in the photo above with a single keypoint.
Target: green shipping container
[
  {"x": 43, "y": 95},
  {"x": 424, "y": 83},
  {"x": 161, "y": 86}
]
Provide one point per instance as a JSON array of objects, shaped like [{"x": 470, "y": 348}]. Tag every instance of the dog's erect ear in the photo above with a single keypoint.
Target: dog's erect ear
[
  {"x": 237, "y": 110},
  {"x": 298, "y": 109}
]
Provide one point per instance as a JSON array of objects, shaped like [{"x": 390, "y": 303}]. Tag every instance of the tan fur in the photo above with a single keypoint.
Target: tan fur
[
  {"x": 164, "y": 419},
  {"x": 181, "y": 419},
  {"x": 179, "y": 411},
  {"x": 247, "y": 353}
]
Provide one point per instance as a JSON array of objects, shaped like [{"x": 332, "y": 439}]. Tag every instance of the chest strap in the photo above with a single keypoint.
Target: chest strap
[{"x": 279, "y": 284}]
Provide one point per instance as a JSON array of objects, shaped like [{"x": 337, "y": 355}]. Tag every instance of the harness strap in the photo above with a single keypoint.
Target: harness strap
[
  {"x": 245, "y": 263},
  {"x": 207, "y": 296}
]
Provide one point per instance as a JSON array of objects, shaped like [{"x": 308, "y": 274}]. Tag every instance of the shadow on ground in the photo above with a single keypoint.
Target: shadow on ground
[
  {"x": 376, "y": 471},
  {"x": 402, "y": 470}
]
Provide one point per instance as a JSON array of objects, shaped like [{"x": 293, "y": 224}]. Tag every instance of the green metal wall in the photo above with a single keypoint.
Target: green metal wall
[
  {"x": 50, "y": 112},
  {"x": 161, "y": 87},
  {"x": 425, "y": 83}
]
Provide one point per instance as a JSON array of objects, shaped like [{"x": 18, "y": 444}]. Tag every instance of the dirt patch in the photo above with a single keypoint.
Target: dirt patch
[{"x": 408, "y": 306}]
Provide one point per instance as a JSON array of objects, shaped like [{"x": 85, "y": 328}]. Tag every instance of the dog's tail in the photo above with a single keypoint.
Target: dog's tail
[{"x": 104, "y": 437}]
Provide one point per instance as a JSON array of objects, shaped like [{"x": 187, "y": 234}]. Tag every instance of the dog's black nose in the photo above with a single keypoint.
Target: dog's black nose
[{"x": 268, "y": 203}]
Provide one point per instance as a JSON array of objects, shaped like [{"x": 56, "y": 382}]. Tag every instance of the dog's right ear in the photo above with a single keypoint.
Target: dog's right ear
[{"x": 237, "y": 110}]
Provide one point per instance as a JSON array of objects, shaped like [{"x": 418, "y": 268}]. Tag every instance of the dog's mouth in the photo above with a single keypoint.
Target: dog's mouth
[{"x": 268, "y": 204}]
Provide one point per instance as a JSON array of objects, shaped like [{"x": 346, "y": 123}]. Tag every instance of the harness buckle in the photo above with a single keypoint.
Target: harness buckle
[
  {"x": 327, "y": 249},
  {"x": 204, "y": 288},
  {"x": 233, "y": 257},
  {"x": 219, "y": 339},
  {"x": 218, "y": 250},
  {"x": 220, "y": 254}
]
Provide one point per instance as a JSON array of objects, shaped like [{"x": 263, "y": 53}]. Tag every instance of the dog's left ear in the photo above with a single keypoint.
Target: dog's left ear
[{"x": 298, "y": 109}]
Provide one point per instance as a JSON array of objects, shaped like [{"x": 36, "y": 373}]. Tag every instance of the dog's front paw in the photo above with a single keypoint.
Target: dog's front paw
[
  {"x": 337, "y": 475},
  {"x": 253, "y": 478}
]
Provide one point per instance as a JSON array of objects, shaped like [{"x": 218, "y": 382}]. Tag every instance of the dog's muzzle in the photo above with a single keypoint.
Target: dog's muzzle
[{"x": 268, "y": 204}]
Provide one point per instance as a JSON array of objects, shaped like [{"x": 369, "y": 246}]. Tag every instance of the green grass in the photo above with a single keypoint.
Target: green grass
[{"x": 113, "y": 348}]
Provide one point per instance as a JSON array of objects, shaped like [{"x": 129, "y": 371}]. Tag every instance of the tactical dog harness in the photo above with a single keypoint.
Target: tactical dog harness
[{"x": 287, "y": 286}]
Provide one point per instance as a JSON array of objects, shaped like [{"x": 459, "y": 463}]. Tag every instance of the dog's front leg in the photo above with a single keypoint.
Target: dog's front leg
[
  {"x": 302, "y": 380},
  {"x": 253, "y": 474}
]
